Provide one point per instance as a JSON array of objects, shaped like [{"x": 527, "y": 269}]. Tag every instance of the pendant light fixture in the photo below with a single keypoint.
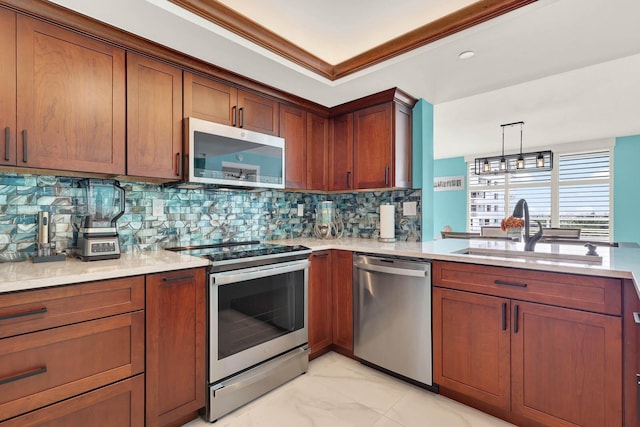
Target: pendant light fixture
[{"x": 514, "y": 163}]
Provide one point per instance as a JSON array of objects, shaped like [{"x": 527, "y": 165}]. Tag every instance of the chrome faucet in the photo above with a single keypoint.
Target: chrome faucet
[{"x": 522, "y": 210}]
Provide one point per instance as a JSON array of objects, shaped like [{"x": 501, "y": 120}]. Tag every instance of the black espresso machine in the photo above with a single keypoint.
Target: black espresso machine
[{"x": 98, "y": 232}]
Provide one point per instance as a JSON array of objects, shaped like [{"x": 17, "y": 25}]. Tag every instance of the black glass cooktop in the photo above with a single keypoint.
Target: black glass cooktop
[{"x": 240, "y": 250}]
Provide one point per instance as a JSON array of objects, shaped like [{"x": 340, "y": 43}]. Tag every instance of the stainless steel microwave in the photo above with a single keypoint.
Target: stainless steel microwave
[{"x": 228, "y": 156}]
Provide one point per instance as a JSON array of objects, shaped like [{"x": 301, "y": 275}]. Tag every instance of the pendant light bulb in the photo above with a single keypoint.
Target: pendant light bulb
[
  {"x": 503, "y": 164},
  {"x": 485, "y": 165},
  {"x": 540, "y": 161},
  {"x": 520, "y": 163}
]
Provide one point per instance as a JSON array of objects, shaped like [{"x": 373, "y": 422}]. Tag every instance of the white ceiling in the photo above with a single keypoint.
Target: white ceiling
[{"x": 567, "y": 68}]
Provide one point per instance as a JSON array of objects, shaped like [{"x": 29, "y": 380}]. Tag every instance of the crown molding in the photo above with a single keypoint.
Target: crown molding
[{"x": 227, "y": 18}]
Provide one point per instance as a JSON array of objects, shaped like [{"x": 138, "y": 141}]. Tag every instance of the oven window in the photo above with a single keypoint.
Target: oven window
[{"x": 255, "y": 311}]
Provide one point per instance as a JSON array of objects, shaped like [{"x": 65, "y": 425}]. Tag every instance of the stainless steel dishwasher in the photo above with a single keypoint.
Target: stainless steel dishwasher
[{"x": 392, "y": 315}]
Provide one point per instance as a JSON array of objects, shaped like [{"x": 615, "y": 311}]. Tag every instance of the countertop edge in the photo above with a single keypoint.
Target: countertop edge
[{"x": 25, "y": 275}]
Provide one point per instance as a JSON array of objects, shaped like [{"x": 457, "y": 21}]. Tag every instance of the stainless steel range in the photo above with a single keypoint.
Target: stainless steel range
[{"x": 257, "y": 320}]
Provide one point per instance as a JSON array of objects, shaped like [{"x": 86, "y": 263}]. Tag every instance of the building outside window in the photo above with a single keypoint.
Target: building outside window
[{"x": 575, "y": 194}]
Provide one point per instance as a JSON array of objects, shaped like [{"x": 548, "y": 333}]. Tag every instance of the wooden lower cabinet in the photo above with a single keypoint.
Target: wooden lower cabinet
[
  {"x": 566, "y": 366},
  {"x": 319, "y": 303},
  {"x": 120, "y": 404},
  {"x": 532, "y": 364},
  {"x": 330, "y": 303},
  {"x": 472, "y": 346},
  {"x": 342, "y": 295},
  {"x": 176, "y": 341}
]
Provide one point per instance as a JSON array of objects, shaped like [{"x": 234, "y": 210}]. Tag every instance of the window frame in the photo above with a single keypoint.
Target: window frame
[{"x": 605, "y": 145}]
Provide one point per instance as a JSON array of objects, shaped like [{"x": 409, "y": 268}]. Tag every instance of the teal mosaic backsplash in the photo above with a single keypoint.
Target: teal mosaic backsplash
[{"x": 190, "y": 217}]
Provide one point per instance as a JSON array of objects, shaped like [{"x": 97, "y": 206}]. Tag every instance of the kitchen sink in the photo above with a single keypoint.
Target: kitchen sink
[{"x": 533, "y": 256}]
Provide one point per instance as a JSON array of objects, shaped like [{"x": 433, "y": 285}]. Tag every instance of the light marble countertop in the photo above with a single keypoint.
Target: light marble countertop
[
  {"x": 17, "y": 276},
  {"x": 623, "y": 263}
]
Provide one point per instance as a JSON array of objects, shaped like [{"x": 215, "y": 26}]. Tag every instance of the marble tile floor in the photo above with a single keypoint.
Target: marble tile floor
[{"x": 340, "y": 392}]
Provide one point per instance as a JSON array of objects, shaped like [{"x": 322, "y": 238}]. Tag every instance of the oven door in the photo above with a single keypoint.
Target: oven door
[{"x": 256, "y": 314}]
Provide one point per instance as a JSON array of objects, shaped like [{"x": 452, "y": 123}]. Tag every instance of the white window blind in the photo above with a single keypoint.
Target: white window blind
[
  {"x": 584, "y": 194},
  {"x": 575, "y": 194}
]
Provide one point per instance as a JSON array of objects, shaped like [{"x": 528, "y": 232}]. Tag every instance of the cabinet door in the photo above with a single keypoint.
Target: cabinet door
[
  {"x": 210, "y": 100},
  {"x": 342, "y": 295},
  {"x": 317, "y": 152},
  {"x": 319, "y": 303},
  {"x": 8, "y": 88},
  {"x": 341, "y": 153},
  {"x": 372, "y": 147},
  {"x": 71, "y": 100},
  {"x": 257, "y": 113},
  {"x": 293, "y": 128},
  {"x": 154, "y": 118},
  {"x": 176, "y": 339},
  {"x": 566, "y": 366},
  {"x": 471, "y": 345},
  {"x": 120, "y": 404}
]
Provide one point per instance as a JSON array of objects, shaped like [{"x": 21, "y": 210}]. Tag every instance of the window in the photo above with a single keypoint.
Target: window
[{"x": 575, "y": 194}]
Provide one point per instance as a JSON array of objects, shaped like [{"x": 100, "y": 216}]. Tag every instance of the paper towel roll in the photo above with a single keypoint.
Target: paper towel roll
[{"x": 387, "y": 222}]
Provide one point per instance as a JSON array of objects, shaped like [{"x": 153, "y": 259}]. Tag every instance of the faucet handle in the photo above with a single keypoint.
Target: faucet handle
[{"x": 591, "y": 249}]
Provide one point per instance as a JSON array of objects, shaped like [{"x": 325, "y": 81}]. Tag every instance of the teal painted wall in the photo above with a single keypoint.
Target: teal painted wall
[
  {"x": 423, "y": 168},
  {"x": 626, "y": 192},
  {"x": 450, "y": 206}
]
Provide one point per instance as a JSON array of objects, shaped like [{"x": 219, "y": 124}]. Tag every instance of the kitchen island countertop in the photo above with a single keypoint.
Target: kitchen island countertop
[{"x": 617, "y": 262}]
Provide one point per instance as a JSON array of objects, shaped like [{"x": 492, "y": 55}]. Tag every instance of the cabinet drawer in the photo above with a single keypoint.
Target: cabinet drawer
[
  {"x": 120, "y": 404},
  {"x": 598, "y": 294},
  {"x": 45, "y": 367},
  {"x": 30, "y": 311}
]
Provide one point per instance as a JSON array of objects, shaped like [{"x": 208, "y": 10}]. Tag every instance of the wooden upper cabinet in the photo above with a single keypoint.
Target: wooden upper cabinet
[
  {"x": 154, "y": 118},
  {"x": 341, "y": 153},
  {"x": 257, "y": 113},
  {"x": 382, "y": 140},
  {"x": 211, "y": 100},
  {"x": 372, "y": 141},
  {"x": 293, "y": 128},
  {"x": 70, "y": 100},
  {"x": 317, "y": 152},
  {"x": 8, "y": 87}
]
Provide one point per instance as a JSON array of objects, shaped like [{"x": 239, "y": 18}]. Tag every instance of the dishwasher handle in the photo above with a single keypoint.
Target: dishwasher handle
[{"x": 391, "y": 270}]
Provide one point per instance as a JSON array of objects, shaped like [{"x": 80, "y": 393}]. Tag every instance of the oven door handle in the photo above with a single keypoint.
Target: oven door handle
[{"x": 249, "y": 274}]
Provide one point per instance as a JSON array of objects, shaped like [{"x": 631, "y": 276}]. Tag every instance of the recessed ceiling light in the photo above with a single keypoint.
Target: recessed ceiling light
[{"x": 466, "y": 54}]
